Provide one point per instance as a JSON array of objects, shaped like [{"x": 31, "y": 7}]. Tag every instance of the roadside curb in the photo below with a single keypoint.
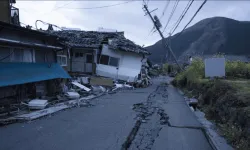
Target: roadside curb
[{"x": 205, "y": 128}]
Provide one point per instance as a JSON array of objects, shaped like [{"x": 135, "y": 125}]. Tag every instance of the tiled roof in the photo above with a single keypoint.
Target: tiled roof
[{"x": 94, "y": 39}]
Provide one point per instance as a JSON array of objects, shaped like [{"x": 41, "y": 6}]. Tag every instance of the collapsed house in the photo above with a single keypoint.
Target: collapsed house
[
  {"x": 28, "y": 64},
  {"x": 107, "y": 54}
]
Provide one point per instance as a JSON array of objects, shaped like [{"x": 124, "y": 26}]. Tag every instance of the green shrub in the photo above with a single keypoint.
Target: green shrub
[
  {"x": 165, "y": 68},
  {"x": 237, "y": 69},
  {"x": 227, "y": 102},
  {"x": 191, "y": 75}
]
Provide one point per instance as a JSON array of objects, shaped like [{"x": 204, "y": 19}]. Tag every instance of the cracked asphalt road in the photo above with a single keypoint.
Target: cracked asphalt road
[{"x": 107, "y": 125}]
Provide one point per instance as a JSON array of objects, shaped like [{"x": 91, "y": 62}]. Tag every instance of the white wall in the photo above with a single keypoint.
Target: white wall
[
  {"x": 129, "y": 65},
  {"x": 215, "y": 67}
]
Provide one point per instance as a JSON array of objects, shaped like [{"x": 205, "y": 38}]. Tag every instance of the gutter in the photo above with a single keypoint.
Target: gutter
[{"x": 3, "y": 40}]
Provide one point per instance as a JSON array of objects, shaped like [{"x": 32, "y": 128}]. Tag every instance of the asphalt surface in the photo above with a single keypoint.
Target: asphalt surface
[
  {"x": 184, "y": 132},
  {"x": 108, "y": 124}
]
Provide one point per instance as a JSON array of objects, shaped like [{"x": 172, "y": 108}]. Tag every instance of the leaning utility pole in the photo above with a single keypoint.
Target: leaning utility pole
[{"x": 157, "y": 25}]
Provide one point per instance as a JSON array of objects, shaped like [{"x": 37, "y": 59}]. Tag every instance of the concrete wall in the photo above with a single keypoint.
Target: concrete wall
[{"x": 129, "y": 65}]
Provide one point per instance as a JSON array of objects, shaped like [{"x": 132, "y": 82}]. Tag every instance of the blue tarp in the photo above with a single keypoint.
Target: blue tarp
[{"x": 20, "y": 73}]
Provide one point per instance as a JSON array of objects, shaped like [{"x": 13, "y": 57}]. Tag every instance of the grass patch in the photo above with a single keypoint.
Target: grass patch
[{"x": 225, "y": 101}]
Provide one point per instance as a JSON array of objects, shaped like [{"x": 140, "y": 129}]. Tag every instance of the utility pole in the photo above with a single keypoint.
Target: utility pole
[{"x": 157, "y": 25}]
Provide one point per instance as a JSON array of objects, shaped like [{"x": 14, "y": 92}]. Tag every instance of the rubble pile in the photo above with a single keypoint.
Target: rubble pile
[
  {"x": 94, "y": 39},
  {"x": 122, "y": 87},
  {"x": 143, "y": 78}
]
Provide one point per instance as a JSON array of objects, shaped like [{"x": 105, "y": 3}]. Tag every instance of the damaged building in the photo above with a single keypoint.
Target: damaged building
[
  {"x": 107, "y": 54},
  {"x": 28, "y": 64}
]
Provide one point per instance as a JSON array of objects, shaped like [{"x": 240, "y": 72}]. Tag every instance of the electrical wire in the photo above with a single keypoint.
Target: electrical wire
[
  {"x": 59, "y": 7},
  {"x": 105, "y": 6},
  {"x": 171, "y": 15},
  {"x": 165, "y": 8},
  {"x": 27, "y": 25},
  {"x": 46, "y": 24},
  {"x": 181, "y": 17},
  {"x": 62, "y": 6},
  {"x": 204, "y": 2},
  {"x": 150, "y": 32}
]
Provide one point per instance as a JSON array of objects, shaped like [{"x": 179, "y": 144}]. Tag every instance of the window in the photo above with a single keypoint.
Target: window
[
  {"x": 77, "y": 55},
  {"x": 81, "y": 54},
  {"x": 89, "y": 58},
  {"x": 62, "y": 60},
  {"x": 111, "y": 61},
  {"x": 104, "y": 60}
]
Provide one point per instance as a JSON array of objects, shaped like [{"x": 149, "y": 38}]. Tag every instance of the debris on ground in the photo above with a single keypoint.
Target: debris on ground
[
  {"x": 40, "y": 113},
  {"x": 143, "y": 79},
  {"x": 122, "y": 86},
  {"x": 72, "y": 95},
  {"x": 81, "y": 86},
  {"x": 98, "y": 89},
  {"x": 37, "y": 104},
  {"x": 193, "y": 102},
  {"x": 76, "y": 92},
  {"x": 84, "y": 80}
]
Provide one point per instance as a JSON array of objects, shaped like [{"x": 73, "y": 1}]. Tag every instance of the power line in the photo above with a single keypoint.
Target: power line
[
  {"x": 59, "y": 7},
  {"x": 182, "y": 16},
  {"x": 157, "y": 26},
  {"x": 204, "y": 2},
  {"x": 165, "y": 8},
  {"x": 27, "y": 25},
  {"x": 53, "y": 25},
  {"x": 151, "y": 31},
  {"x": 62, "y": 6},
  {"x": 171, "y": 15},
  {"x": 105, "y": 6}
]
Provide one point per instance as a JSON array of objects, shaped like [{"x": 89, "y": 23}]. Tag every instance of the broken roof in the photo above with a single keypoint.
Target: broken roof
[{"x": 94, "y": 39}]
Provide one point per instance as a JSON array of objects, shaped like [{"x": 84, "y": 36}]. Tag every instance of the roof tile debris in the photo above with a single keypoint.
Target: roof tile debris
[{"x": 94, "y": 39}]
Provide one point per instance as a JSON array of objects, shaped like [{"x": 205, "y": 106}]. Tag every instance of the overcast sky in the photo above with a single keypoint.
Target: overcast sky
[{"x": 127, "y": 17}]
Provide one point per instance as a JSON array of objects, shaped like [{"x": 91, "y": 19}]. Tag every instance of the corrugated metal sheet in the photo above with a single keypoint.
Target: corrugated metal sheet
[{"x": 20, "y": 73}]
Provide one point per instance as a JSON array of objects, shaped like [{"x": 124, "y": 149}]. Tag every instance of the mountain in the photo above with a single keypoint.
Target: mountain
[{"x": 207, "y": 37}]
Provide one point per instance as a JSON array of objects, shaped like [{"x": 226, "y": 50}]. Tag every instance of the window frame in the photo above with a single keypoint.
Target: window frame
[
  {"x": 60, "y": 61},
  {"x": 109, "y": 58},
  {"x": 89, "y": 54},
  {"x": 118, "y": 59}
]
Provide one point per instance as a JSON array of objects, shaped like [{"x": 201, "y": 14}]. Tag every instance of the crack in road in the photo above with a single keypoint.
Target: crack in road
[{"x": 149, "y": 121}]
